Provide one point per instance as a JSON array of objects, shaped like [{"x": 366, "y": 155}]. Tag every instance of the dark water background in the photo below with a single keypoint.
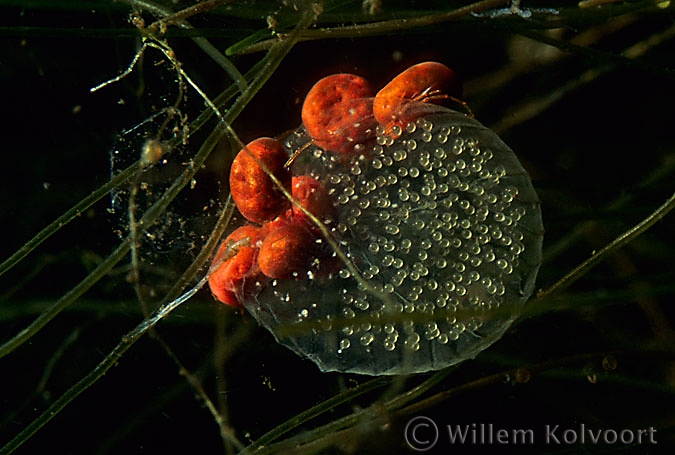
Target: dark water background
[{"x": 610, "y": 139}]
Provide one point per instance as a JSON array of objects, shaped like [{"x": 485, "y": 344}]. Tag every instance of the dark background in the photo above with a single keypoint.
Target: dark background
[{"x": 601, "y": 159}]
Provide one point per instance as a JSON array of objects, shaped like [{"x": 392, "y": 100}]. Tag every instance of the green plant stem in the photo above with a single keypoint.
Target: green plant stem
[
  {"x": 314, "y": 412},
  {"x": 377, "y": 28},
  {"x": 68, "y": 298},
  {"x": 178, "y": 19},
  {"x": 70, "y": 215},
  {"x": 579, "y": 271},
  {"x": 330, "y": 430}
]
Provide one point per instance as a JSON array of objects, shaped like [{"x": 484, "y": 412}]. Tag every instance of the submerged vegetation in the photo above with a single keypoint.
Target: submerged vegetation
[{"x": 125, "y": 117}]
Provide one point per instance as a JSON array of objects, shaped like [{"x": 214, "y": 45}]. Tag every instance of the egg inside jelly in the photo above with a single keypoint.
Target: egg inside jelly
[{"x": 437, "y": 245}]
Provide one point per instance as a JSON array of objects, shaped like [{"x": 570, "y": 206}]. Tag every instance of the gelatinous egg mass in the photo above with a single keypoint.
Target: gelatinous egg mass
[{"x": 436, "y": 248}]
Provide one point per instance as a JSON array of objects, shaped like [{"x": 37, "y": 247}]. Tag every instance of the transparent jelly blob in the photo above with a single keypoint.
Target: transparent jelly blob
[
  {"x": 163, "y": 248},
  {"x": 436, "y": 249}
]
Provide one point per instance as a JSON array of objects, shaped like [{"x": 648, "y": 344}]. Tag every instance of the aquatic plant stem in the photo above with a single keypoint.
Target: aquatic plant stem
[
  {"x": 632, "y": 233},
  {"x": 377, "y": 28}
]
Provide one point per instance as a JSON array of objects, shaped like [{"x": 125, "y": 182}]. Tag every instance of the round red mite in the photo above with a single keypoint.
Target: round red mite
[
  {"x": 338, "y": 112},
  {"x": 288, "y": 252},
  {"x": 255, "y": 194},
  {"x": 398, "y": 102},
  {"x": 313, "y": 196},
  {"x": 229, "y": 281},
  {"x": 292, "y": 245}
]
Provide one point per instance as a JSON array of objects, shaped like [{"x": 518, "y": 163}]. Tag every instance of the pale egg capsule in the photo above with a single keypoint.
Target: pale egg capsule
[{"x": 437, "y": 245}]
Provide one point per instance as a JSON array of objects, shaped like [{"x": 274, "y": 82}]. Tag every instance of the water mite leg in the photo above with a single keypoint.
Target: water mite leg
[{"x": 426, "y": 82}]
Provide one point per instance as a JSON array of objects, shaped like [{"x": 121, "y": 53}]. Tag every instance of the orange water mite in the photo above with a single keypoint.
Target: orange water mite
[
  {"x": 314, "y": 197},
  {"x": 292, "y": 244},
  {"x": 338, "y": 112},
  {"x": 288, "y": 252},
  {"x": 399, "y": 101},
  {"x": 240, "y": 270},
  {"x": 255, "y": 194}
]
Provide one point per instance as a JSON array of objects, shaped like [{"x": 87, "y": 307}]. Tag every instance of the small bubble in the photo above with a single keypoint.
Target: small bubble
[
  {"x": 362, "y": 305},
  {"x": 387, "y": 260},
  {"x": 420, "y": 269},
  {"x": 367, "y": 339},
  {"x": 403, "y": 194},
  {"x": 410, "y": 128},
  {"x": 400, "y": 155},
  {"x": 418, "y": 224},
  {"x": 391, "y": 229},
  {"x": 425, "y": 124},
  {"x": 348, "y": 313},
  {"x": 502, "y": 263}
]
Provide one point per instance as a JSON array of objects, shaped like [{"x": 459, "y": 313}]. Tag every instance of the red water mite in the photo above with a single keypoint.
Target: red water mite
[
  {"x": 294, "y": 240},
  {"x": 314, "y": 197},
  {"x": 255, "y": 194},
  {"x": 237, "y": 272},
  {"x": 399, "y": 101},
  {"x": 338, "y": 112},
  {"x": 288, "y": 252}
]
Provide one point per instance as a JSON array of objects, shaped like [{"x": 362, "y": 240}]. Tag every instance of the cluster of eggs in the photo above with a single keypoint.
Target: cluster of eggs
[{"x": 386, "y": 235}]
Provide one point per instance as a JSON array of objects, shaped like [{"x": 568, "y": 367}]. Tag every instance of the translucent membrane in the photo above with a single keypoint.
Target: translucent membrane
[{"x": 439, "y": 232}]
